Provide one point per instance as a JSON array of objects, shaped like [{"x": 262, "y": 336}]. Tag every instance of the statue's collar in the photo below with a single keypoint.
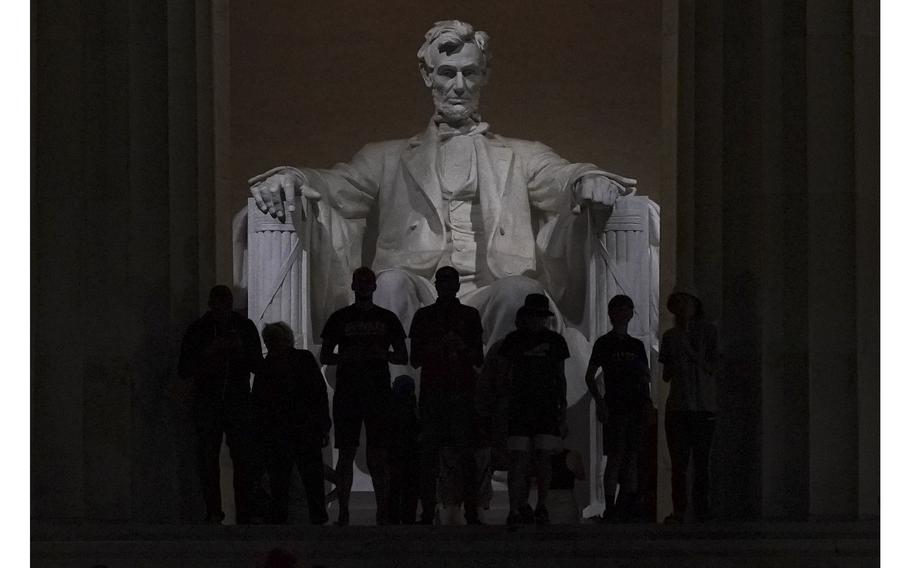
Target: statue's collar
[{"x": 432, "y": 132}]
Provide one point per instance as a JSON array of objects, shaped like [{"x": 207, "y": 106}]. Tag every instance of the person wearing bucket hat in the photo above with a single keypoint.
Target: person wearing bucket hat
[
  {"x": 537, "y": 405},
  {"x": 690, "y": 358}
]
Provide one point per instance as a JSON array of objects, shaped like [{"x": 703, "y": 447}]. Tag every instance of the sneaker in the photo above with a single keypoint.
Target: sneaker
[
  {"x": 673, "y": 519},
  {"x": 542, "y": 516}
]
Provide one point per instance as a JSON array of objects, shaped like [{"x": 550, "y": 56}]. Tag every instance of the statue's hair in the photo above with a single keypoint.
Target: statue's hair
[
  {"x": 450, "y": 36},
  {"x": 275, "y": 332}
]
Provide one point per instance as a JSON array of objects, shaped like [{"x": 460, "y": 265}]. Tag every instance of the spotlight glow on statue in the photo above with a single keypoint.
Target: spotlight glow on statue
[{"x": 505, "y": 213}]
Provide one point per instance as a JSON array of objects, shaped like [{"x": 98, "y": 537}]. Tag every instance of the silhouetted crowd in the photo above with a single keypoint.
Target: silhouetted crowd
[{"x": 476, "y": 413}]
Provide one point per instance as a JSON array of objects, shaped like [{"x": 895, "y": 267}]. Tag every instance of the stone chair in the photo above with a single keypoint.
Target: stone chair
[{"x": 272, "y": 272}]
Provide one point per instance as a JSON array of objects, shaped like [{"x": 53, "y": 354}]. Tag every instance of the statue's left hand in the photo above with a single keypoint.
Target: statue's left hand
[
  {"x": 601, "y": 191},
  {"x": 274, "y": 191}
]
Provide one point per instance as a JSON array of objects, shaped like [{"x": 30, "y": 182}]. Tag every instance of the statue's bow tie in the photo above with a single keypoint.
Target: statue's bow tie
[{"x": 446, "y": 132}]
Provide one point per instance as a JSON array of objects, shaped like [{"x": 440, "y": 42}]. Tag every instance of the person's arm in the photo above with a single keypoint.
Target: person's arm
[
  {"x": 252, "y": 345},
  {"x": 399, "y": 355},
  {"x": 320, "y": 397},
  {"x": 591, "y": 381},
  {"x": 327, "y": 355},
  {"x": 418, "y": 340},
  {"x": 475, "y": 341}
]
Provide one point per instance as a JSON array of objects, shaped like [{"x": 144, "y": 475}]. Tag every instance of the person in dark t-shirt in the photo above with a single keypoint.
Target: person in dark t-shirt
[
  {"x": 363, "y": 333},
  {"x": 447, "y": 346},
  {"x": 622, "y": 408},
  {"x": 537, "y": 404},
  {"x": 292, "y": 418}
]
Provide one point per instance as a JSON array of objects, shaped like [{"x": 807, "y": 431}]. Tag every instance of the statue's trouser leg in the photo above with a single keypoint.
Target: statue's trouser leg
[{"x": 402, "y": 293}]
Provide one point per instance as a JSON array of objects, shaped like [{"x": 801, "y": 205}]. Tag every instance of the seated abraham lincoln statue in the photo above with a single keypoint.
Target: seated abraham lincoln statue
[{"x": 505, "y": 213}]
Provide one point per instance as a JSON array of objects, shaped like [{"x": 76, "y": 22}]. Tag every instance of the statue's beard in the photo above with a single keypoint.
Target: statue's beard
[{"x": 454, "y": 115}]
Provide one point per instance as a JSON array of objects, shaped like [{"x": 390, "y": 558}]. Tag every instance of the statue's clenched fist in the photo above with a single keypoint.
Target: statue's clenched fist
[
  {"x": 274, "y": 191},
  {"x": 602, "y": 190}
]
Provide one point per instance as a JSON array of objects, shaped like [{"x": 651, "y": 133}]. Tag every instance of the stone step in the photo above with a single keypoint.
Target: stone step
[{"x": 828, "y": 545}]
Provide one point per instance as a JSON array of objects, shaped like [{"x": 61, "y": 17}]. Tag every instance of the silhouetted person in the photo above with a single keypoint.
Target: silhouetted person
[
  {"x": 363, "y": 333},
  {"x": 690, "y": 358},
  {"x": 404, "y": 457},
  {"x": 292, "y": 418},
  {"x": 623, "y": 406},
  {"x": 218, "y": 353},
  {"x": 537, "y": 405},
  {"x": 447, "y": 345}
]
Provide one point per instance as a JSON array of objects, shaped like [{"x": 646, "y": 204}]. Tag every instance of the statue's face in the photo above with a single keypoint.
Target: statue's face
[{"x": 456, "y": 81}]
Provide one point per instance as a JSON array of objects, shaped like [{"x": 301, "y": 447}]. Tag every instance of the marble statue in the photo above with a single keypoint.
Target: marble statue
[{"x": 510, "y": 215}]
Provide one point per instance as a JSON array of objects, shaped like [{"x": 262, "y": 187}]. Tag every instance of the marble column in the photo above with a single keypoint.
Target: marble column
[
  {"x": 121, "y": 255},
  {"x": 777, "y": 214}
]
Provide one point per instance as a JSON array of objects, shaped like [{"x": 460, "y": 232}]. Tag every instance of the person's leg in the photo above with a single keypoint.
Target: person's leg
[
  {"x": 239, "y": 439},
  {"x": 395, "y": 490},
  {"x": 347, "y": 418},
  {"x": 429, "y": 475},
  {"x": 378, "y": 421},
  {"x": 545, "y": 446},
  {"x": 679, "y": 446},
  {"x": 344, "y": 471},
  {"x": 614, "y": 449},
  {"x": 451, "y": 486},
  {"x": 519, "y": 458},
  {"x": 477, "y": 474},
  {"x": 209, "y": 435},
  {"x": 703, "y": 435},
  {"x": 309, "y": 465},
  {"x": 279, "y": 467},
  {"x": 410, "y": 488},
  {"x": 377, "y": 462}
]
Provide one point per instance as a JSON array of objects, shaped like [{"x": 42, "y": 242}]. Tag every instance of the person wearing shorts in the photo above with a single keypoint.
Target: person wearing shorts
[
  {"x": 363, "y": 333},
  {"x": 622, "y": 408},
  {"x": 537, "y": 405}
]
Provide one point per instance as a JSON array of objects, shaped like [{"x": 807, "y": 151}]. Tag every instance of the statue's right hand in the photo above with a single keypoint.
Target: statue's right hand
[{"x": 274, "y": 191}]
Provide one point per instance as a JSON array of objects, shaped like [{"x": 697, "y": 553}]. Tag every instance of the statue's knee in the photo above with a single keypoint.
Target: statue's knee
[
  {"x": 394, "y": 286},
  {"x": 514, "y": 289}
]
